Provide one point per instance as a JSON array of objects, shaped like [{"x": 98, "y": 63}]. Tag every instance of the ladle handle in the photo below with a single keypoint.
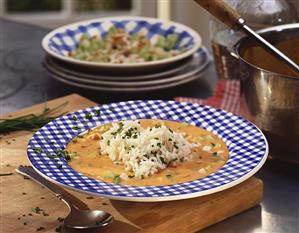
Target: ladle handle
[{"x": 221, "y": 11}]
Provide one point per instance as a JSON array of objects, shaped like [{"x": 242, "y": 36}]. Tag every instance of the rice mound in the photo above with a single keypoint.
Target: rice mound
[{"x": 145, "y": 152}]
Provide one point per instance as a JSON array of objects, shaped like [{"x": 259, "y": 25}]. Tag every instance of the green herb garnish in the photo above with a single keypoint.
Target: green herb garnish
[
  {"x": 40, "y": 229},
  {"x": 163, "y": 160},
  {"x": 97, "y": 112},
  {"x": 175, "y": 145},
  {"x": 75, "y": 127},
  {"x": 168, "y": 176},
  {"x": 88, "y": 116},
  {"x": 36, "y": 210},
  {"x": 38, "y": 150},
  {"x": 62, "y": 154},
  {"x": 116, "y": 179},
  {"x": 60, "y": 219},
  {"x": 31, "y": 121}
]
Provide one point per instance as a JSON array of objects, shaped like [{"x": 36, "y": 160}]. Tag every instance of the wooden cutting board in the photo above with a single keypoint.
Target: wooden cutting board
[{"x": 19, "y": 196}]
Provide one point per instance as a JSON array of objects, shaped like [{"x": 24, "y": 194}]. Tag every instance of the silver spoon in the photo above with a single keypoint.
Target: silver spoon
[
  {"x": 78, "y": 218},
  {"x": 233, "y": 19}
]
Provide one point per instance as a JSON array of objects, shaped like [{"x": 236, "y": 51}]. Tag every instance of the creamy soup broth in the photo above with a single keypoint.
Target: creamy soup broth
[{"x": 93, "y": 164}]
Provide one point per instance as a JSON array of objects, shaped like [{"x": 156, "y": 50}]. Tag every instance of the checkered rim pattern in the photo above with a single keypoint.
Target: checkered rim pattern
[
  {"x": 247, "y": 146},
  {"x": 66, "y": 40}
]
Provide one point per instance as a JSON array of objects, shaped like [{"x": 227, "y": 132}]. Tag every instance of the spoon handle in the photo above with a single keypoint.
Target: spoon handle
[{"x": 63, "y": 195}]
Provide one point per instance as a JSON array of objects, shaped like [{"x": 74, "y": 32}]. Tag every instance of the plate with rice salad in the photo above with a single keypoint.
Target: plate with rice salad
[{"x": 148, "y": 151}]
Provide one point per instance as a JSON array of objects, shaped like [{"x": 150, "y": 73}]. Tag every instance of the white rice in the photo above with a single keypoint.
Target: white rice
[{"x": 144, "y": 152}]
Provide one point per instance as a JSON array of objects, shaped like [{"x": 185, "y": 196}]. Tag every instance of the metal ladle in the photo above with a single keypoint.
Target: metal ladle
[
  {"x": 77, "y": 218},
  {"x": 233, "y": 19}
]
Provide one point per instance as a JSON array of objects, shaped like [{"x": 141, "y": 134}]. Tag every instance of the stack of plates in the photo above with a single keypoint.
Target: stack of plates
[
  {"x": 138, "y": 77},
  {"x": 185, "y": 72}
]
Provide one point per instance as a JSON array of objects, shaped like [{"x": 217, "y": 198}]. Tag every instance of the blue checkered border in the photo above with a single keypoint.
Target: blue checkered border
[
  {"x": 66, "y": 40},
  {"x": 247, "y": 146}
]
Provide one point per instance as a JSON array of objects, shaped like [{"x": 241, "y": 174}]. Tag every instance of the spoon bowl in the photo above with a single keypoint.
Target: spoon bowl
[
  {"x": 78, "y": 217},
  {"x": 86, "y": 219}
]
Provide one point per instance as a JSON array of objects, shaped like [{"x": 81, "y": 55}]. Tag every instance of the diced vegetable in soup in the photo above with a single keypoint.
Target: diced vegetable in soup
[{"x": 147, "y": 152}]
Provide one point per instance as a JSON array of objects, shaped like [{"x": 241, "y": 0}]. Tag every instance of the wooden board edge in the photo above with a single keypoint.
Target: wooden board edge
[
  {"x": 51, "y": 103},
  {"x": 223, "y": 211}
]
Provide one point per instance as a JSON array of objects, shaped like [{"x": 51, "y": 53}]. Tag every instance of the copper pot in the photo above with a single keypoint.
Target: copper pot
[{"x": 270, "y": 92}]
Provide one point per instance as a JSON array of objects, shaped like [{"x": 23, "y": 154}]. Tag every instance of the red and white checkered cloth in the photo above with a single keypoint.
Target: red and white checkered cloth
[{"x": 226, "y": 96}]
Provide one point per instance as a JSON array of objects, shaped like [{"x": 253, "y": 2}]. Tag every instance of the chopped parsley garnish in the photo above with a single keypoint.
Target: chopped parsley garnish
[
  {"x": 171, "y": 131},
  {"x": 162, "y": 160},
  {"x": 60, "y": 219},
  {"x": 63, "y": 154},
  {"x": 40, "y": 229},
  {"x": 88, "y": 116},
  {"x": 213, "y": 144},
  {"x": 215, "y": 154},
  {"x": 97, "y": 112},
  {"x": 116, "y": 179},
  {"x": 131, "y": 176},
  {"x": 108, "y": 142},
  {"x": 131, "y": 132},
  {"x": 38, "y": 150},
  {"x": 142, "y": 177},
  {"x": 168, "y": 176},
  {"x": 75, "y": 118},
  {"x": 175, "y": 145},
  {"x": 75, "y": 127},
  {"x": 36, "y": 210}
]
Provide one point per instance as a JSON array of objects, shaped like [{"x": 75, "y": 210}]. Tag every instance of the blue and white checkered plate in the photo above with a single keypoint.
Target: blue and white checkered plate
[
  {"x": 248, "y": 149},
  {"x": 59, "y": 42}
]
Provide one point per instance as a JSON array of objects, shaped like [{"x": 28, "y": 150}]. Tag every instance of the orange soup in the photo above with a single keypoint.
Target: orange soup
[{"x": 210, "y": 154}]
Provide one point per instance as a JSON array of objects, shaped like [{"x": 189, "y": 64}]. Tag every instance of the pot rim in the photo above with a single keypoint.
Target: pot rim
[{"x": 237, "y": 47}]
